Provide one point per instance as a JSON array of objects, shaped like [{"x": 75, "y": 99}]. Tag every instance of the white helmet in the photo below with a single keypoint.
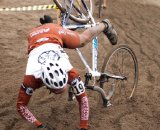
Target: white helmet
[{"x": 54, "y": 75}]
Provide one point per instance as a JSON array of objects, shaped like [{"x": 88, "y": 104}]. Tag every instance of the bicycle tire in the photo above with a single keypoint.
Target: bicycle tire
[
  {"x": 124, "y": 89},
  {"x": 75, "y": 16}
]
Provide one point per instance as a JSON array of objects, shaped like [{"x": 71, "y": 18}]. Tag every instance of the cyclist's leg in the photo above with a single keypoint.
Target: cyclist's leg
[
  {"x": 74, "y": 40},
  {"x": 90, "y": 33},
  {"x": 81, "y": 96}
]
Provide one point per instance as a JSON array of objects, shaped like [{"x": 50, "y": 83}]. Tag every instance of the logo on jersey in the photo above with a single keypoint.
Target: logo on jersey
[
  {"x": 62, "y": 31},
  {"x": 40, "y": 31}
]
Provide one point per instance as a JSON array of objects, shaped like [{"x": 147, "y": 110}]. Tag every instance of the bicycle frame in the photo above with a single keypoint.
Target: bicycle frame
[
  {"x": 92, "y": 72},
  {"x": 94, "y": 69}
]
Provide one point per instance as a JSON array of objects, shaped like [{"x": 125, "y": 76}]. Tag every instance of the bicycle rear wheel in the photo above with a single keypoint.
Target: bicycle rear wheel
[
  {"x": 121, "y": 61},
  {"x": 79, "y": 12}
]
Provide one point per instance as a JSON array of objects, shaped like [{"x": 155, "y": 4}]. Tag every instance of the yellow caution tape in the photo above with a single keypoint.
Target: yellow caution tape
[{"x": 30, "y": 8}]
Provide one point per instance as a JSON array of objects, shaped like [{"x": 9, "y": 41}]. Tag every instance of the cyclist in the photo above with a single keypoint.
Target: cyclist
[{"x": 48, "y": 65}]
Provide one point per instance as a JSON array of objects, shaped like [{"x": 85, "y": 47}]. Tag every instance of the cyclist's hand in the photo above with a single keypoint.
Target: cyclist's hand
[
  {"x": 45, "y": 127},
  {"x": 110, "y": 32}
]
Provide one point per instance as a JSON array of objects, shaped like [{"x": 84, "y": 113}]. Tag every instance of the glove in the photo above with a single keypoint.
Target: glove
[
  {"x": 46, "y": 19},
  {"x": 45, "y": 127},
  {"x": 110, "y": 32}
]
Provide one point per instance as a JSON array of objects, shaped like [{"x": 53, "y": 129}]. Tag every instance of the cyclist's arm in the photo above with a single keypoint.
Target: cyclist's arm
[
  {"x": 24, "y": 98},
  {"x": 90, "y": 33},
  {"x": 84, "y": 110},
  {"x": 22, "y": 102},
  {"x": 81, "y": 96}
]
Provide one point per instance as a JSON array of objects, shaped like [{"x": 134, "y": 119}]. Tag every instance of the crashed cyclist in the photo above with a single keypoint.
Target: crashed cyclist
[{"x": 48, "y": 65}]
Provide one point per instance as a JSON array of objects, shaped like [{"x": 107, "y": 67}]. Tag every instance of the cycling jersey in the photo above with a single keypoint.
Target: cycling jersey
[{"x": 52, "y": 33}]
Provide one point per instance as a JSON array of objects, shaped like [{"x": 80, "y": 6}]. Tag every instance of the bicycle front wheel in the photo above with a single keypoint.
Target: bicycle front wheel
[
  {"x": 121, "y": 61},
  {"x": 79, "y": 12}
]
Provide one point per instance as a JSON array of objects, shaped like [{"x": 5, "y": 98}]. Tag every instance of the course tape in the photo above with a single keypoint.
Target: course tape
[{"x": 30, "y": 8}]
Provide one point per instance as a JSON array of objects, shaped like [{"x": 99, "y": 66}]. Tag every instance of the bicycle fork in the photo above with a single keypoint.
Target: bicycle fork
[{"x": 105, "y": 98}]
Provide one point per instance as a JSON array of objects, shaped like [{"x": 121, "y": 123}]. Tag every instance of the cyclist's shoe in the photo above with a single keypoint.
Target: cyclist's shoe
[
  {"x": 45, "y": 127},
  {"x": 110, "y": 32},
  {"x": 82, "y": 129}
]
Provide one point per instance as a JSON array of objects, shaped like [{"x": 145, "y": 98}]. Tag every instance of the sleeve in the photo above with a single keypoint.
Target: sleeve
[
  {"x": 22, "y": 102},
  {"x": 84, "y": 110},
  {"x": 70, "y": 39},
  {"x": 81, "y": 96},
  {"x": 24, "y": 96}
]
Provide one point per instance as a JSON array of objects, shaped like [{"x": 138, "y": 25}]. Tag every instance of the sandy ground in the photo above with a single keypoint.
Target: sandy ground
[
  {"x": 148, "y": 2},
  {"x": 138, "y": 26}
]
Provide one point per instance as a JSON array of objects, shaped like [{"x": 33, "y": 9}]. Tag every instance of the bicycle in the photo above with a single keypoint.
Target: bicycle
[{"x": 122, "y": 83}]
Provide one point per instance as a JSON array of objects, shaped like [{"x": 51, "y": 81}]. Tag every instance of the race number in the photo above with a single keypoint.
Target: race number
[{"x": 78, "y": 87}]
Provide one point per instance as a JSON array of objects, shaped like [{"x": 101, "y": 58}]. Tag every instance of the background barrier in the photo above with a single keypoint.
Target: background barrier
[{"x": 30, "y": 8}]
